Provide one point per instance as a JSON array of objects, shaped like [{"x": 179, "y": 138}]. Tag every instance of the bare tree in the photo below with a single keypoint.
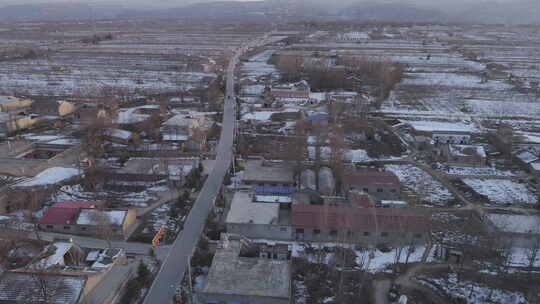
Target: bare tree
[
  {"x": 93, "y": 139},
  {"x": 533, "y": 253},
  {"x": 105, "y": 228},
  {"x": 46, "y": 286},
  {"x": 338, "y": 148},
  {"x": 34, "y": 203}
]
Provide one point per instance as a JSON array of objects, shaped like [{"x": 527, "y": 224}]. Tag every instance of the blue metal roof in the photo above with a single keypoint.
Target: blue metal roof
[
  {"x": 274, "y": 190},
  {"x": 318, "y": 117}
]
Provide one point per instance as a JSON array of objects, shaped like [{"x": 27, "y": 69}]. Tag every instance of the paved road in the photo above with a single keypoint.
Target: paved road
[
  {"x": 173, "y": 268},
  {"x": 91, "y": 242}
]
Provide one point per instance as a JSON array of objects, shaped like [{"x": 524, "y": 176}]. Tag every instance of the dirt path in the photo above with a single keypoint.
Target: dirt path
[
  {"x": 381, "y": 287},
  {"x": 407, "y": 281}
]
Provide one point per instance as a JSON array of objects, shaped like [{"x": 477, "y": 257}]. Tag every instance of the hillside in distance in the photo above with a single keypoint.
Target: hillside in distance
[{"x": 511, "y": 12}]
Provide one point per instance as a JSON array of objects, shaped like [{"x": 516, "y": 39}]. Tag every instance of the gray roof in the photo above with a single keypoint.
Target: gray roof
[
  {"x": 7, "y": 99},
  {"x": 231, "y": 274},
  {"x": 4, "y": 117},
  {"x": 25, "y": 288},
  {"x": 257, "y": 171},
  {"x": 243, "y": 211}
]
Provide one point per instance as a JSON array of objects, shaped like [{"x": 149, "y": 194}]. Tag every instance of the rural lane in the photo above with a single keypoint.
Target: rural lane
[{"x": 174, "y": 266}]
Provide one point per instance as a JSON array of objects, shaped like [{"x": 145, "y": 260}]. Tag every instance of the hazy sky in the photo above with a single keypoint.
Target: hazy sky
[
  {"x": 182, "y": 2},
  {"x": 445, "y": 5}
]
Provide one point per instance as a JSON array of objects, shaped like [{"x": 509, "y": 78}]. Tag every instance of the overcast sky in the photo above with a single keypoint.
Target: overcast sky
[{"x": 172, "y": 3}]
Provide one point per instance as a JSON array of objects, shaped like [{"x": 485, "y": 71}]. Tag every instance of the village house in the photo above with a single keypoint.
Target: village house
[
  {"x": 380, "y": 185},
  {"x": 443, "y": 132},
  {"x": 266, "y": 173},
  {"x": 82, "y": 217},
  {"x": 353, "y": 224},
  {"x": 234, "y": 278},
  {"x": 14, "y": 122},
  {"x": 463, "y": 155},
  {"x": 52, "y": 108},
  {"x": 30, "y": 193},
  {"x": 69, "y": 272},
  {"x": 294, "y": 93},
  {"x": 148, "y": 170},
  {"x": 14, "y": 104},
  {"x": 187, "y": 129},
  {"x": 529, "y": 159},
  {"x": 259, "y": 216},
  {"x": 89, "y": 114},
  {"x": 120, "y": 136}
]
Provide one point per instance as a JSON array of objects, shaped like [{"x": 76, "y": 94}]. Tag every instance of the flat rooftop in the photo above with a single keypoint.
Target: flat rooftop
[
  {"x": 23, "y": 288},
  {"x": 257, "y": 170},
  {"x": 231, "y": 274},
  {"x": 157, "y": 165},
  {"x": 243, "y": 210}
]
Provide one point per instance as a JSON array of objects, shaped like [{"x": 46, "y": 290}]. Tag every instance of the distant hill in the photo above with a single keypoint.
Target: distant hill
[
  {"x": 56, "y": 11},
  {"x": 511, "y": 12},
  {"x": 210, "y": 10},
  {"x": 392, "y": 12}
]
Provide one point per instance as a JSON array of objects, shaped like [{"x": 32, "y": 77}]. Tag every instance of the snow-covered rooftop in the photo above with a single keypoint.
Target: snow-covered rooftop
[
  {"x": 272, "y": 199},
  {"x": 175, "y": 137},
  {"x": 527, "y": 157},
  {"x": 437, "y": 126},
  {"x": 57, "y": 258},
  {"x": 50, "y": 176},
  {"x": 244, "y": 211},
  {"x": 91, "y": 217},
  {"x": 467, "y": 150},
  {"x": 118, "y": 133}
]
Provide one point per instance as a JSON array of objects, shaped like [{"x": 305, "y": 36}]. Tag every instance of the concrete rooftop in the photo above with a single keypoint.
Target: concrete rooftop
[
  {"x": 243, "y": 210},
  {"x": 231, "y": 274},
  {"x": 256, "y": 171}
]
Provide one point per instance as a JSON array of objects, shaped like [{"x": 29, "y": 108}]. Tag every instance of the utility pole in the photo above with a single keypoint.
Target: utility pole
[
  {"x": 92, "y": 20},
  {"x": 189, "y": 281}
]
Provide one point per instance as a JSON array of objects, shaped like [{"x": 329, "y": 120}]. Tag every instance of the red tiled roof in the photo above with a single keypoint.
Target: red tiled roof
[
  {"x": 289, "y": 94},
  {"x": 65, "y": 212},
  {"x": 59, "y": 216},
  {"x": 372, "y": 178},
  {"x": 75, "y": 204},
  {"x": 324, "y": 216}
]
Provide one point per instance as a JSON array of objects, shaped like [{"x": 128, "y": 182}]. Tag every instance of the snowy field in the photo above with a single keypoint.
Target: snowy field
[
  {"x": 523, "y": 257},
  {"x": 473, "y": 292},
  {"x": 378, "y": 261},
  {"x": 258, "y": 66},
  {"x": 482, "y": 171},
  {"x": 502, "y": 192},
  {"x": 421, "y": 183},
  {"x": 164, "y": 57},
  {"x": 371, "y": 260},
  {"x": 134, "y": 199}
]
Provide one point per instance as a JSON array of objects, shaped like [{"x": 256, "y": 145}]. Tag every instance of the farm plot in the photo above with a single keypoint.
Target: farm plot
[
  {"x": 502, "y": 192},
  {"x": 258, "y": 66},
  {"x": 163, "y": 58},
  {"x": 472, "y": 291},
  {"x": 423, "y": 184}
]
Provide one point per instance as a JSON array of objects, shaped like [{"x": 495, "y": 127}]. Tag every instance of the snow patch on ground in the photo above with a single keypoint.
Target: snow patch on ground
[
  {"x": 50, "y": 176},
  {"x": 473, "y": 292},
  {"x": 422, "y": 183},
  {"x": 487, "y": 171},
  {"x": 502, "y": 191}
]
